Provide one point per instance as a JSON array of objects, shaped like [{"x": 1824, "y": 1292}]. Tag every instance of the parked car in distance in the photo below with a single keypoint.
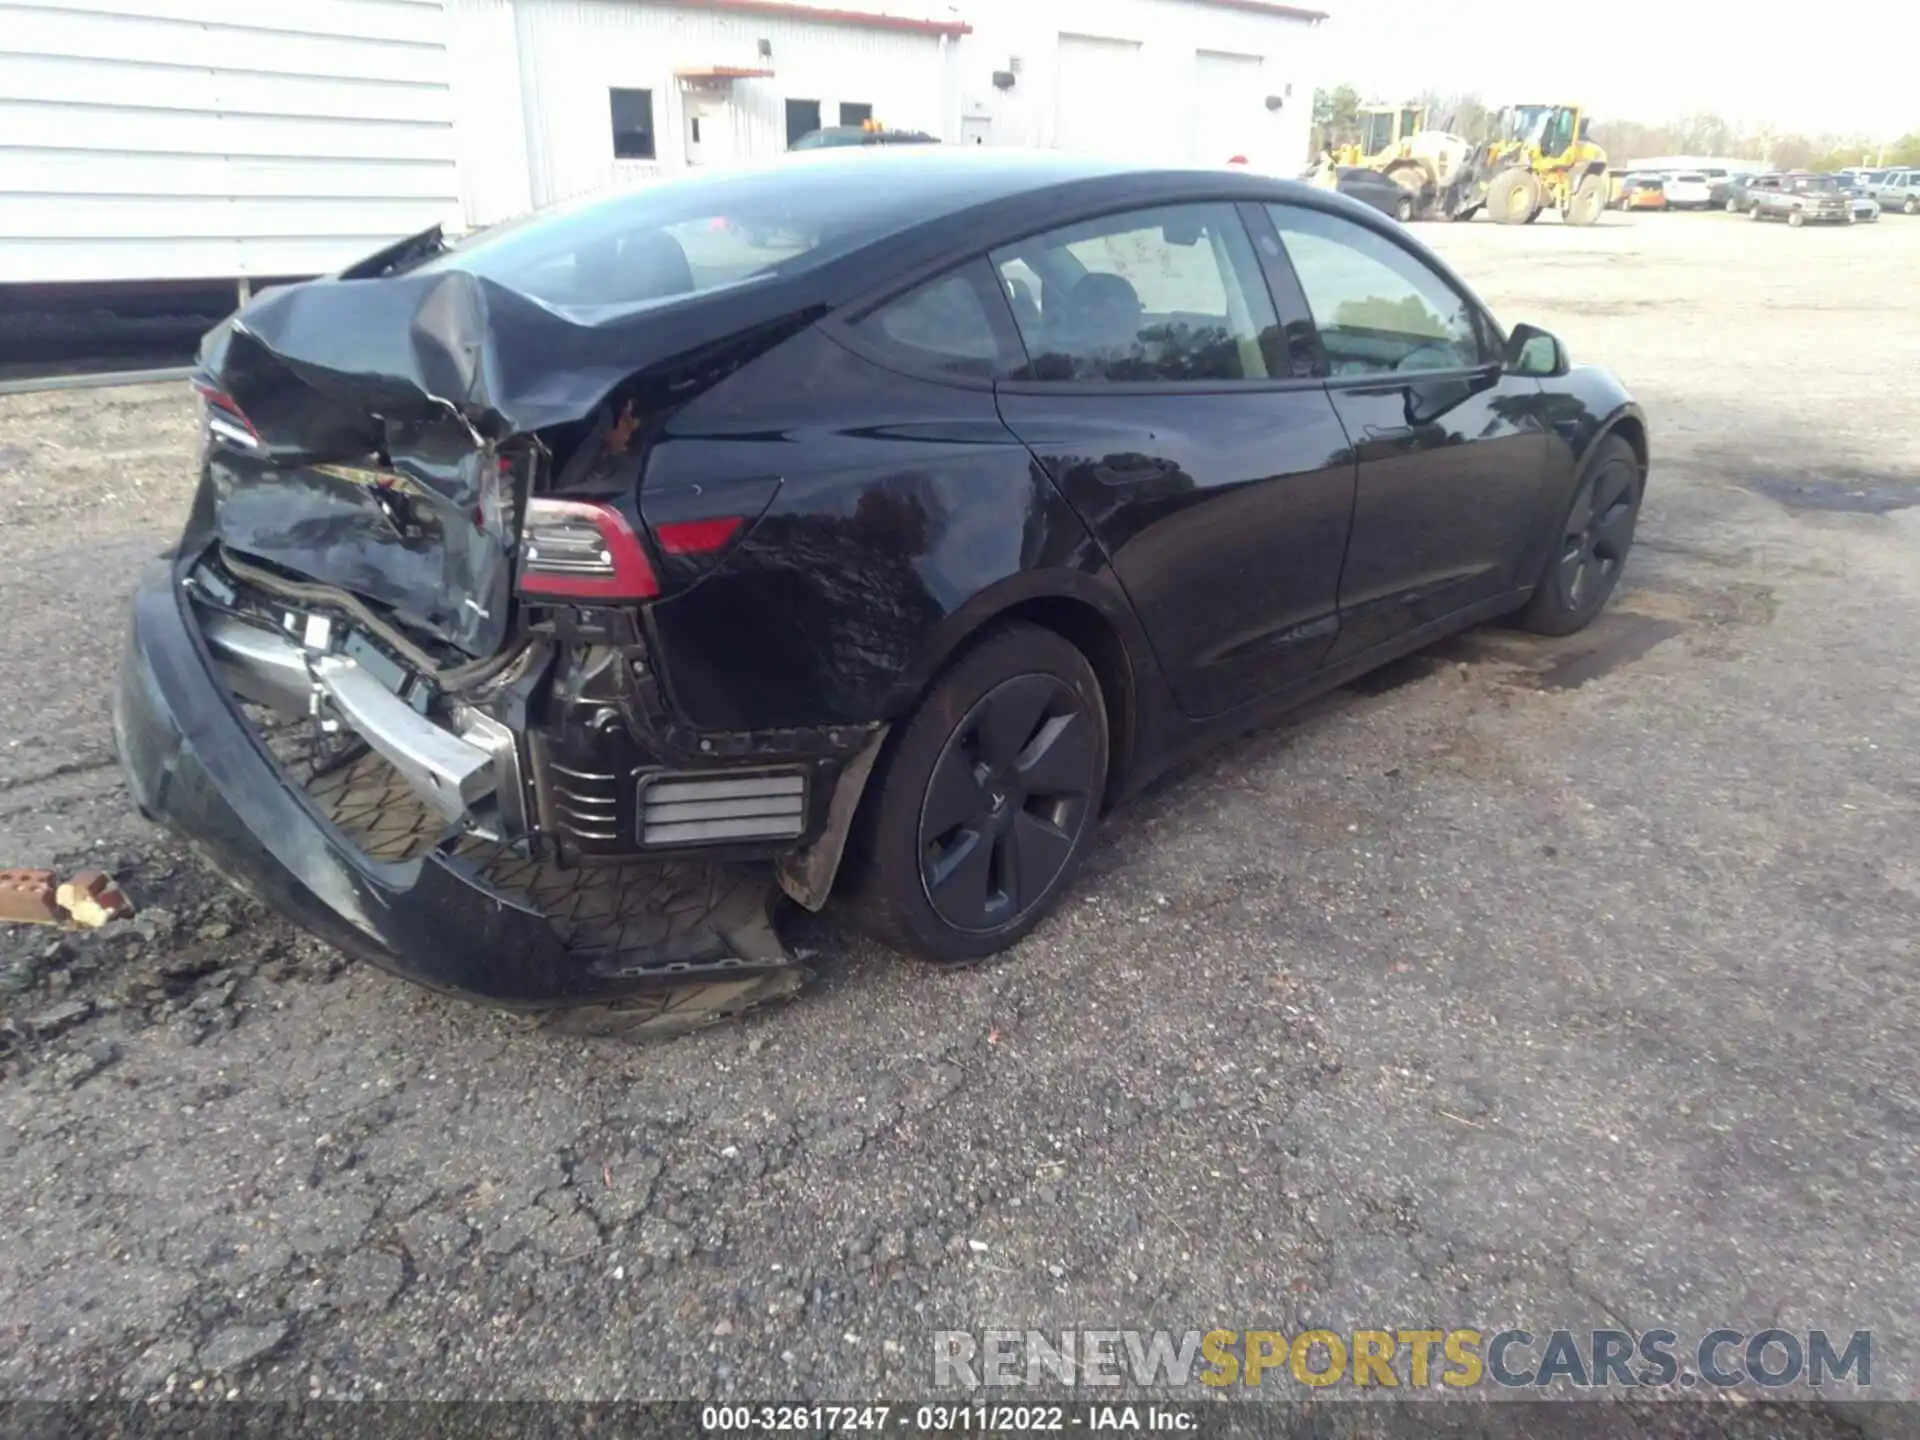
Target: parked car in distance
[
  {"x": 1900, "y": 190},
  {"x": 1370, "y": 187},
  {"x": 1719, "y": 184},
  {"x": 876, "y": 569},
  {"x": 1743, "y": 189},
  {"x": 835, "y": 137},
  {"x": 1688, "y": 190},
  {"x": 1643, "y": 192},
  {"x": 1866, "y": 209},
  {"x": 1803, "y": 199}
]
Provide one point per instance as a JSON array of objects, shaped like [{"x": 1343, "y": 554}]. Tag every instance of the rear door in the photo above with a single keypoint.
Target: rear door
[
  {"x": 1452, "y": 450},
  {"x": 1162, "y": 399}
]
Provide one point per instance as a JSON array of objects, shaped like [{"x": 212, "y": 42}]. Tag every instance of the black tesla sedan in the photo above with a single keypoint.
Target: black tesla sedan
[{"x": 551, "y": 597}]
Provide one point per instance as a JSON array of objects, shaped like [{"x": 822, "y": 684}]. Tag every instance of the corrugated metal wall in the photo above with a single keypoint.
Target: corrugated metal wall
[
  {"x": 163, "y": 139},
  {"x": 573, "y": 52}
]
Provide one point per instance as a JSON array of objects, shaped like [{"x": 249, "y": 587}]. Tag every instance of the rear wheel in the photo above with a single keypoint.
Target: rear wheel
[
  {"x": 1912, "y": 207},
  {"x": 1796, "y": 219},
  {"x": 987, "y": 801},
  {"x": 1588, "y": 203},
  {"x": 1754, "y": 213},
  {"x": 1592, "y": 544},
  {"x": 1403, "y": 209}
]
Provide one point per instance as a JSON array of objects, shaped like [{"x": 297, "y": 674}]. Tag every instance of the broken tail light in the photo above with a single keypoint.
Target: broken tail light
[
  {"x": 585, "y": 549},
  {"x": 223, "y": 416},
  {"x": 582, "y": 549}
]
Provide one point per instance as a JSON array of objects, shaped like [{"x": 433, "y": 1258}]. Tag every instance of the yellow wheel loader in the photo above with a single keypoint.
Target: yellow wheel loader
[
  {"x": 1539, "y": 158},
  {"x": 1395, "y": 140}
]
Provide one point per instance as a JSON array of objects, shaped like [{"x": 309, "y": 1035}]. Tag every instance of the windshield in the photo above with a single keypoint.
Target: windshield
[
  {"x": 684, "y": 236},
  {"x": 1377, "y": 134},
  {"x": 1528, "y": 122}
]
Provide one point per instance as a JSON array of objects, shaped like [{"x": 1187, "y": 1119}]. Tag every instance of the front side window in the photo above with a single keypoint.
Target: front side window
[
  {"x": 1169, "y": 294},
  {"x": 632, "y": 124},
  {"x": 942, "y": 325},
  {"x": 1379, "y": 309}
]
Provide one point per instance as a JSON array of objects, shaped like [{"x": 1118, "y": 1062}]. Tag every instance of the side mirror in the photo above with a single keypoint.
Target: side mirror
[{"x": 1531, "y": 351}]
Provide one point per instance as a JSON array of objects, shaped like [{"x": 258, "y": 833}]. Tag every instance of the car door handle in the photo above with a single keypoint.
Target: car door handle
[
  {"x": 1384, "y": 433},
  {"x": 1137, "y": 472}
]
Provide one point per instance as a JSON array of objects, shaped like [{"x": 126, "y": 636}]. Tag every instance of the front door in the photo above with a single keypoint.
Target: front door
[
  {"x": 1452, "y": 451},
  {"x": 709, "y": 122},
  {"x": 1160, "y": 398}
]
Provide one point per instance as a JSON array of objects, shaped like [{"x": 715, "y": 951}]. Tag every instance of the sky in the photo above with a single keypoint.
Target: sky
[{"x": 1800, "y": 67}]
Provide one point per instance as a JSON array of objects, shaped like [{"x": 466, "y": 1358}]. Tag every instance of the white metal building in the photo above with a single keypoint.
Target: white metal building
[
  {"x": 181, "y": 139},
  {"x": 186, "y": 139}
]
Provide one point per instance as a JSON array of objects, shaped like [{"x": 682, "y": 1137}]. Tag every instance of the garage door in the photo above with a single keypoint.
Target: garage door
[
  {"x": 1229, "y": 108},
  {"x": 1099, "y": 101}
]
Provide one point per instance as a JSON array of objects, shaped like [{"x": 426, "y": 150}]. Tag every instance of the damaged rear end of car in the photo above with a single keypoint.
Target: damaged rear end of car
[{"x": 398, "y": 677}]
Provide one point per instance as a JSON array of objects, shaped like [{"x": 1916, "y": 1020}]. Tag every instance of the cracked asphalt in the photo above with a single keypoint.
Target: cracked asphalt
[{"x": 1554, "y": 984}]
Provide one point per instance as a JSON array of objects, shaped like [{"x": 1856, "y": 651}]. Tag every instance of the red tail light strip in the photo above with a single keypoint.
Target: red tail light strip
[{"x": 698, "y": 537}]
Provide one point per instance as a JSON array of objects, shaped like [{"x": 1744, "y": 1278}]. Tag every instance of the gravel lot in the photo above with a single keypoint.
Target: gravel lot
[{"x": 1565, "y": 984}]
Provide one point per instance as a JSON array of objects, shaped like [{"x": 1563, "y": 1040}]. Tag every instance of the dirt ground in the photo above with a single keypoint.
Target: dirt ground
[{"x": 1563, "y": 984}]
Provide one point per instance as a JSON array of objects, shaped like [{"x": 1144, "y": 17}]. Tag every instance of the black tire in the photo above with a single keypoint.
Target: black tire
[
  {"x": 1403, "y": 210},
  {"x": 1513, "y": 198},
  {"x": 1589, "y": 202},
  {"x": 1912, "y": 207},
  {"x": 1733, "y": 207},
  {"x": 957, "y": 807},
  {"x": 1590, "y": 547}
]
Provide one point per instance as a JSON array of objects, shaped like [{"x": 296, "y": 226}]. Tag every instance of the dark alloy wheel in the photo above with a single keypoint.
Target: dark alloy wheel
[
  {"x": 986, "y": 800},
  {"x": 1591, "y": 547},
  {"x": 1008, "y": 797}
]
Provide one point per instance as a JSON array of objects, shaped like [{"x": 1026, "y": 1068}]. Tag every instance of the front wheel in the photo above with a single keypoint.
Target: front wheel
[
  {"x": 1796, "y": 219},
  {"x": 986, "y": 802},
  {"x": 1403, "y": 210},
  {"x": 1592, "y": 544},
  {"x": 1912, "y": 207},
  {"x": 1733, "y": 207},
  {"x": 1513, "y": 198}
]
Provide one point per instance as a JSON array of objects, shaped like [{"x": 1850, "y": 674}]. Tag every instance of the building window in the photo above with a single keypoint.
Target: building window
[
  {"x": 853, "y": 114},
  {"x": 632, "y": 124},
  {"x": 803, "y": 118}
]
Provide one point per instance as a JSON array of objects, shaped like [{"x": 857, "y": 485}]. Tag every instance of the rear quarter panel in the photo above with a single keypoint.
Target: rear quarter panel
[{"x": 907, "y": 514}]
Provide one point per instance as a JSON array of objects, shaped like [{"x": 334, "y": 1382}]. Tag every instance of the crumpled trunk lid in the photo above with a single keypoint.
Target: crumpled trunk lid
[{"x": 390, "y": 425}]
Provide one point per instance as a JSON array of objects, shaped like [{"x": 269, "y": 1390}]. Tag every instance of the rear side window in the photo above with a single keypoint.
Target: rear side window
[
  {"x": 1378, "y": 308},
  {"x": 687, "y": 235},
  {"x": 945, "y": 325},
  {"x": 1168, "y": 294}
]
